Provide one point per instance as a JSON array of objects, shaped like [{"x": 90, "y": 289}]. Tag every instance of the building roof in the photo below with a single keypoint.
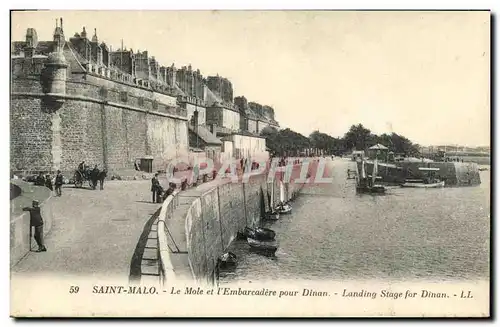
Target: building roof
[
  {"x": 243, "y": 133},
  {"x": 378, "y": 146},
  {"x": 205, "y": 135}
]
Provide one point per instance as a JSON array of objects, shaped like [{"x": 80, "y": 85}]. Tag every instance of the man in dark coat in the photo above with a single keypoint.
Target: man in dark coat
[
  {"x": 154, "y": 186},
  {"x": 94, "y": 176},
  {"x": 37, "y": 222},
  {"x": 58, "y": 183}
]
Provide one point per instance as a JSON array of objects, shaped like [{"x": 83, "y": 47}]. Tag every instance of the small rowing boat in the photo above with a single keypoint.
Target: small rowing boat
[
  {"x": 283, "y": 208},
  {"x": 227, "y": 261},
  {"x": 423, "y": 185},
  {"x": 264, "y": 246},
  {"x": 260, "y": 233}
]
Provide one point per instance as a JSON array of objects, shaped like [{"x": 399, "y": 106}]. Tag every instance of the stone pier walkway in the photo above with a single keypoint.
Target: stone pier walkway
[{"x": 97, "y": 233}]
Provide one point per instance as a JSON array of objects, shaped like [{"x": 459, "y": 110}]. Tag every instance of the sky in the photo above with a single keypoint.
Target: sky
[{"x": 425, "y": 75}]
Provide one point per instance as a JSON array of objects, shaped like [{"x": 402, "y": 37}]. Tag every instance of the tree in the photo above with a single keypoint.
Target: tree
[{"x": 358, "y": 137}]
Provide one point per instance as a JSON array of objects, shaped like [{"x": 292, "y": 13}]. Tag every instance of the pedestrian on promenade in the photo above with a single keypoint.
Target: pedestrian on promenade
[
  {"x": 160, "y": 192},
  {"x": 48, "y": 182},
  {"x": 59, "y": 183},
  {"x": 37, "y": 222},
  {"x": 154, "y": 186}
]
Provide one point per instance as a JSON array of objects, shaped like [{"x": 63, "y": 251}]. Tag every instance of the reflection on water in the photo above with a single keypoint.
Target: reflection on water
[{"x": 335, "y": 234}]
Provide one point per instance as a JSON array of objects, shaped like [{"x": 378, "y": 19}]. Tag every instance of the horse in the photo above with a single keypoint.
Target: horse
[{"x": 101, "y": 176}]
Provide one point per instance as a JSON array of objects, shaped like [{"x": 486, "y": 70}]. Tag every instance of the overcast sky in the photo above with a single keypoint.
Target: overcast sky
[{"x": 425, "y": 75}]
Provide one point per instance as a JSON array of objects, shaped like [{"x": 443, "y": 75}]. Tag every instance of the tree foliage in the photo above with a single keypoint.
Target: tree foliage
[{"x": 357, "y": 137}]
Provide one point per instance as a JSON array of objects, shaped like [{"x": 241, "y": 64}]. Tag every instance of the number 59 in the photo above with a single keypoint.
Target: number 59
[{"x": 74, "y": 289}]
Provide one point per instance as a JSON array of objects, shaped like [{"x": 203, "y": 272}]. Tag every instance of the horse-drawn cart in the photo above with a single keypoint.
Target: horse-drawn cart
[{"x": 80, "y": 177}]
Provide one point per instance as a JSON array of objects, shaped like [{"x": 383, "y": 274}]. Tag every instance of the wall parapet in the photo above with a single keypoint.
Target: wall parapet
[
  {"x": 98, "y": 101},
  {"x": 21, "y": 239},
  {"x": 166, "y": 269},
  {"x": 202, "y": 222}
]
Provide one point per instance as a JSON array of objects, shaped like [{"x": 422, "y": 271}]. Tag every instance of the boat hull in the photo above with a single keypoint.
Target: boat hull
[
  {"x": 422, "y": 185},
  {"x": 371, "y": 190},
  {"x": 227, "y": 261},
  {"x": 272, "y": 216},
  {"x": 264, "y": 246},
  {"x": 285, "y": 210}
]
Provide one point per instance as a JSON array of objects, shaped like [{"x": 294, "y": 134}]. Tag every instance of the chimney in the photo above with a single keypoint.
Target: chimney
[{"x": 195, "y": 121}]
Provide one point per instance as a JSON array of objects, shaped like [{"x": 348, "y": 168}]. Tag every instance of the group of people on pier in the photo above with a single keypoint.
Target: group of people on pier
[{"x": 49, "y": 182}]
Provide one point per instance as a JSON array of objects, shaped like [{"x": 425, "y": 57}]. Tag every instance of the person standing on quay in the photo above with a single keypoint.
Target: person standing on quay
[
  {"x": 154, "y": 186},
  {"x": 59, "y": 183},
  {"x": 37, "y": 222}
]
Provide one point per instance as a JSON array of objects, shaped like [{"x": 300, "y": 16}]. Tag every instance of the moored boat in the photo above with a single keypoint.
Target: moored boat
[
  {"x": 272, "y": 216},
  {"x": 430, "y": 180},
  {"x": 260, "y": 233},
  {"x": 265, "y": 246},
  {"x": 283, "y": 208},
  {"x": 375, "y": 189},
  {"x": 227, "y": 261},
  {"x": 424, "y": 185},
  {"x": 366, "y": 183}
]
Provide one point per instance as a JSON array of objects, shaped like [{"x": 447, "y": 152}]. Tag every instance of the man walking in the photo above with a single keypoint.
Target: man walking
[
  {"x": 58, "y": 183},
  {"x": 154, "y": 186},
  {"x": 37, "y": 222}
]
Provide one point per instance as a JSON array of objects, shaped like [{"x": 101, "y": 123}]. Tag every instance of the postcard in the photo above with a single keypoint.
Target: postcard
[{"x": 250, "y": 163}]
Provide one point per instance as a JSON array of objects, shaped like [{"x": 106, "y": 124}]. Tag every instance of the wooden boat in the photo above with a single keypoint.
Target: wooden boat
[
  {"x": 283, "y": 208},
  {"x": 227, "y": 261},
  {"x": 264, "y": 246},
  {"x": 433, "y": 182},
  {"x": 272, "y": 216},
  {"x": 424, "y": 185},
  {"x": 260, "y": 233},
  {"x": 375, "y": 189},
  {"x": 366, "y": 183}
]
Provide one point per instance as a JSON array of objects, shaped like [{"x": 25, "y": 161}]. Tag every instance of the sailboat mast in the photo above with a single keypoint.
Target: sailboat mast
[{"x": 374, "y": 172}]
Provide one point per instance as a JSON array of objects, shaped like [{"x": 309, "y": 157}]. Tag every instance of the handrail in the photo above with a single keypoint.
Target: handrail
[{"x": 165, "y": 267}]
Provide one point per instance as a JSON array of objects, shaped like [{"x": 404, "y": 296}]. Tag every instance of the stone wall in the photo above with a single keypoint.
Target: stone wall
[
  {"x": 217, "y": 215},
  {"x": 453, "y": 173},
  {"x": 30, "y": 137},
  {"x": 21, "y": 238},
  {"x": 101, "y": 121}
]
